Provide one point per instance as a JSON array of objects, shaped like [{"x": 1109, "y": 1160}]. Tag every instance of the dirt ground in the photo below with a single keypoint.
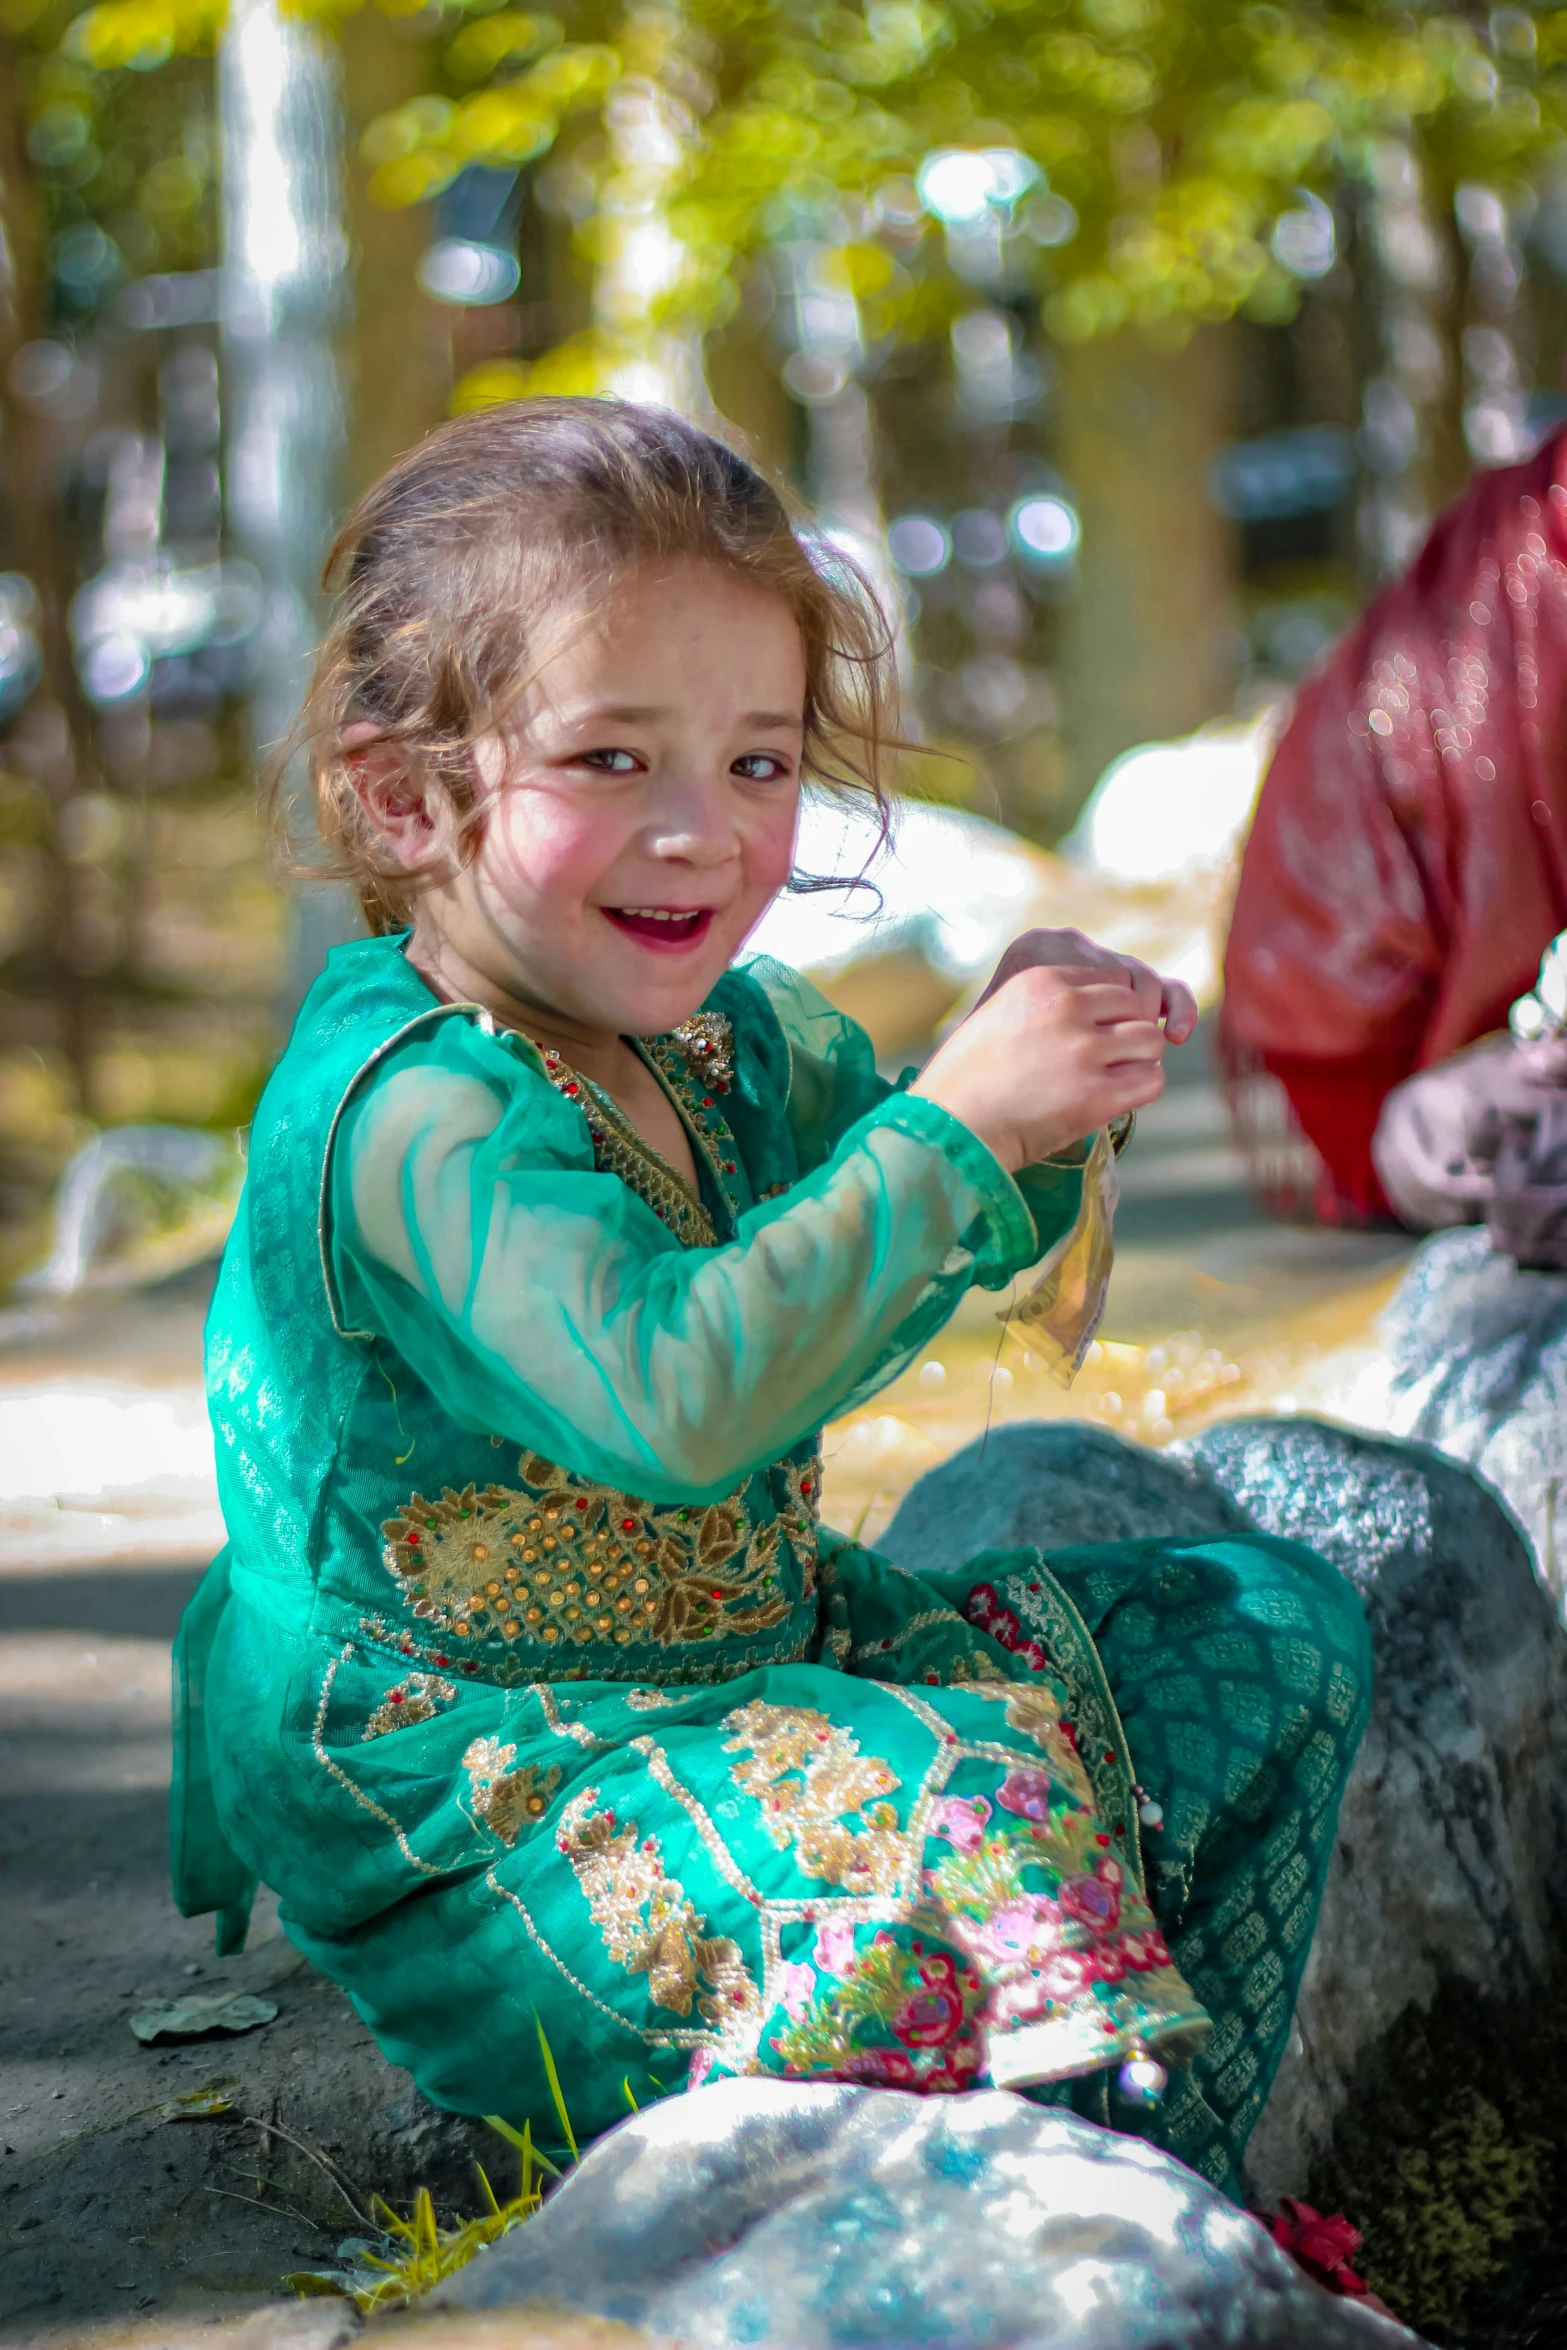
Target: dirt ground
[{"x": 113, "y": 2208}]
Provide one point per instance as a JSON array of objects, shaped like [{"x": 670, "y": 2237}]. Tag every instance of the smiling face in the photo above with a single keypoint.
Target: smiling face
[{"x": 646, "y": 796}]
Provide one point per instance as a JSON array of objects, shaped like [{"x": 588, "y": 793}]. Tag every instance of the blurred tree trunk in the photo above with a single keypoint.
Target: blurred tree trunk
[
  {"x": 285, "y": 285},
  {"x": 398, "y": 355},
  {"x": 56, "y": 735},
  {"x": 1148, "y": 637}
]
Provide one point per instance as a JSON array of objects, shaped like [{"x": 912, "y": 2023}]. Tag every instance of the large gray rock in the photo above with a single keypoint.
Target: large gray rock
[
  {"x": 1050, "y": 1483},
  {"x": 1451, "y": 1860},
  {"x": 812, "y": 2215},
  {"x": 1477, "y": 1352}
]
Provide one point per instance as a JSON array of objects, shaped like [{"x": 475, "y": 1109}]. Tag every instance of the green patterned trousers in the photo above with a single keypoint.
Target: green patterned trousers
[{"x": 1241, "y": 1669}]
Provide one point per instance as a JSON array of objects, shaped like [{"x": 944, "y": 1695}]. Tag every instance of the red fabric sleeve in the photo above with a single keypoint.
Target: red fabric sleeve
[{"x": 1408, "y": 863}]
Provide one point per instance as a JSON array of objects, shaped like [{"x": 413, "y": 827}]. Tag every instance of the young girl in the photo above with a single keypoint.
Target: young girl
[{"x": 530, "y": 1677}]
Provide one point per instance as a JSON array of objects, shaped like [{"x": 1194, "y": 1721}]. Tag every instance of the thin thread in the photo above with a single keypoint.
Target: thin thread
[
  {"x": 990, "y": 1388},
  {"x": 397, "y": 1411}
]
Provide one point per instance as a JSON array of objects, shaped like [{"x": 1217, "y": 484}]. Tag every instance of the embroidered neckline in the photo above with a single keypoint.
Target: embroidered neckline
[{"x": 694, "y": 1063}]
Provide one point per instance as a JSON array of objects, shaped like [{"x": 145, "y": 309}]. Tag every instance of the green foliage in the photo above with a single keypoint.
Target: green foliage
[{"x": 1164, "y": 139}]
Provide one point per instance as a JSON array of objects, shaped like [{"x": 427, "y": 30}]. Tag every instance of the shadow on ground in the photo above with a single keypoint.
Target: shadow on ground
[{"x": 107, "y": 2208}]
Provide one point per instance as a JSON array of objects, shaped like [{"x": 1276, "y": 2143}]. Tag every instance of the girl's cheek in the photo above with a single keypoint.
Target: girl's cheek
[
  {"x": 771, "y": 843},
  {"x": 541, "y": 846}
]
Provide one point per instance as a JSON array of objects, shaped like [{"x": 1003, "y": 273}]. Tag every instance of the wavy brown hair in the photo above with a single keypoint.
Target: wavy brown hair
[{"x": 452, "y": 572}]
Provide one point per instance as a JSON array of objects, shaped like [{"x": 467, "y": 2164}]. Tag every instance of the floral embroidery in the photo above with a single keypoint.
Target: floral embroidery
[
  {"x": 1036, "y": 1897},
  {"x": 648, "y": 1922},
  {"x": 415, "y": 1698},
  {"x": 809, "y": 1777},
  {"x": 507, "y": 1801},
  {"x": 961, "y": 1819},
  {"x": 572, "y": 1562},
  {"x": 984, "y": 1609},
  {"x": 900, "y": 2015}
]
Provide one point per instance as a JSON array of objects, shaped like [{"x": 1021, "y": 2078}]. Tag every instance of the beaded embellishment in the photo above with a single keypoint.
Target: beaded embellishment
[
  {"x": 415, "y": 1698},
  {"x": 694, "y": 1064},
  {"x": 648, "y": 1922},
  {"x": 507, "y": 1801},
  {"x": 573, "y": 1562},
  {"x": 819, "y": 1794}
]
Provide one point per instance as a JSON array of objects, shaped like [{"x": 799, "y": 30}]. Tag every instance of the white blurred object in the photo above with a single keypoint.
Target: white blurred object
[
  {"x": 71, "y": 1439},
  {"x": 1148, "y": 870},
  {"x": 1544, "y": 1012},
  {"x": 947, "y": 885},
  {"x": 1163, "y": 810}
]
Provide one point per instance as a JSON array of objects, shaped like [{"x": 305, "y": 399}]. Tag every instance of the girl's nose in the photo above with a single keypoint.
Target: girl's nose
[{"x": 692, "y": 825}]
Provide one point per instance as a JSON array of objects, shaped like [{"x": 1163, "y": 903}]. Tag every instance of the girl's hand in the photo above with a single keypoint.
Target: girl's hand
[
  {"x": 1066, "y": 1037},
  {"x": 1166, "y": 999}
]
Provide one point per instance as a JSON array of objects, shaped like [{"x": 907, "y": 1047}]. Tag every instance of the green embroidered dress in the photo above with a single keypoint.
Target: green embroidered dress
[{"x": 532, "y": 1682}]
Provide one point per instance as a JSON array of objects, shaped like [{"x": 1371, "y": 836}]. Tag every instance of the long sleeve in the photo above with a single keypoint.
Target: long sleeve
[
  {"x": 543, "y": 1301},
  {"x": 832, "y": 1080}
]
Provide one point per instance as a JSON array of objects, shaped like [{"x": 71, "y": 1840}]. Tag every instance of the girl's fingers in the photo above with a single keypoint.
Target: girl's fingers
[
  {"x": 1099, "y": 1003},
  {"x": 1146, "y": 986},
  {"x": 1180, "y": 1011}
]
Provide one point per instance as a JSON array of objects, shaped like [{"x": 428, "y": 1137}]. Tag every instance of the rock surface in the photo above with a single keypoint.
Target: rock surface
[
  {"x": 787, "y": 2212},
  {"x": 1451, "y": 1857},
  {"x": 1477, "y": 1354}
]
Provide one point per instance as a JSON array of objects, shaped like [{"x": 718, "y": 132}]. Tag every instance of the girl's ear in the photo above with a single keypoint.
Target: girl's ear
[{"x": 394, "y": 801}]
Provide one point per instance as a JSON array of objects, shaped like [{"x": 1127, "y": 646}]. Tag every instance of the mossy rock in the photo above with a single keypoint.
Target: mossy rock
[{"x": 1452, "y": 2160}]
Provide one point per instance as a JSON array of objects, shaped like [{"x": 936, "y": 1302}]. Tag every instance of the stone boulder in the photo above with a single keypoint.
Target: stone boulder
[
  {"x": 1477, "y": 1365},
  {"x": 1451, "y": 1858},
  {"x": 781, "y": 2212}
]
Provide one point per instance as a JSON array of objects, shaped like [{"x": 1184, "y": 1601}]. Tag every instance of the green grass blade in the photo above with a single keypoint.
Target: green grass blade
[
  {"x": 625, "y": 2091},
  {"x": 553, "y": 2078},
  {"x": 523, "y": 2141}
]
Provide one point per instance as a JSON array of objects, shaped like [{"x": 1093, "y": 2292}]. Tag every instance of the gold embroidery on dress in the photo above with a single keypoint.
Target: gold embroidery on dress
[
  {"x": 351, "y": 1787},
  {"x": 708, "y": 1043},
  {"x": 507, "y": 1801},
  {"x": 648, "y": 1922},
  {"x": 976, "y": 1666},
  {"x": 702, "y": 1058},
  {"x": 572, "y": 1562},
  {"x": 1034, "y": 1708},
  {"x": 809, "y": 1776},
  {"x": 414, "y": 1698}
]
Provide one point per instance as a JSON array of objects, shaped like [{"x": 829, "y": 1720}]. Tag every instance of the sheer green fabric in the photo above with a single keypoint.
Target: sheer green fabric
[
  {"x": 462, "y": 1184},
  {"x": 532, "y": 1682}
]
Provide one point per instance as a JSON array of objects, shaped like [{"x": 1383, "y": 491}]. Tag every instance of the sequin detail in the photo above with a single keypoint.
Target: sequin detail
[
  {"x": 708, "y": 1043},
  {"x": 504, "y": 1800},
  {"x": 818, "y": 1793},
  {"x": 567, "y": 1563},
  {"x": 648, "y": 1923},
  {"x": 415, "y": 1698}
]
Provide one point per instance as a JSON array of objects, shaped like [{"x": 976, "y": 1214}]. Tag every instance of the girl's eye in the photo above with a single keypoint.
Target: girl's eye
[
  {"x": 611, "y": 762},
  {"x": 761, "y": 767}
]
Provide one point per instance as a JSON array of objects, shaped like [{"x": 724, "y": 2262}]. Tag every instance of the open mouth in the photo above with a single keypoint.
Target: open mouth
[{"x": 662, "y": 926}]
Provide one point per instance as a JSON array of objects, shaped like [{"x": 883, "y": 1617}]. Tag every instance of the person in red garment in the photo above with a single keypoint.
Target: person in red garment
[{"x": 1408, "y": 863}]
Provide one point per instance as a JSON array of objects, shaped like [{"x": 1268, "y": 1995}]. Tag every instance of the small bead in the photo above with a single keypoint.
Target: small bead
[{"x": 1142, "y": 2080}]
